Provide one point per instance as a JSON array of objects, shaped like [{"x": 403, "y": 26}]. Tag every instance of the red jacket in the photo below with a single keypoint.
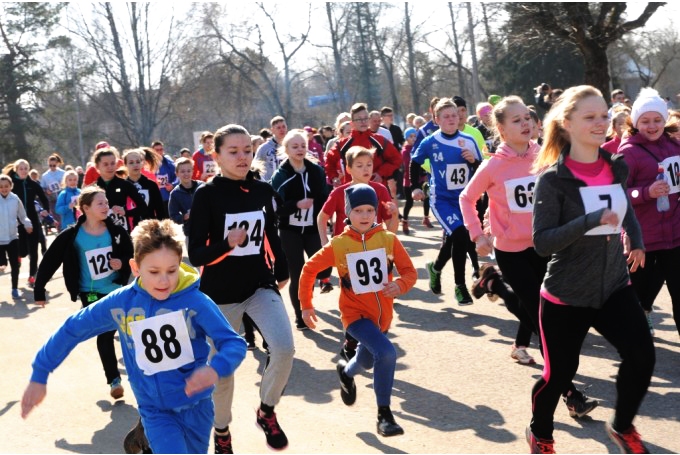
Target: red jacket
[{"x": 386, "y": 159}]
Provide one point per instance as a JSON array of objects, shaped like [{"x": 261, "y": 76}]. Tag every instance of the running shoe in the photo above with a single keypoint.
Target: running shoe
[
  {"x": 537, "y": 445},
  {"x": 520, "y": 354},
  {"x": 326, "y": 287},
  {"x": 435, "y": 278},
  {"x": 117, "y": 389},
  {"x": 348, "y": 350},
  {"x": 16, "y": 294},
  {"x": 386, "y": 424},
  {"x": 649, "y": 322},
  {"x": 579, "y": 404},
  {"x": 426, "y": 222},
  {"x": 348, "y": 389},
  {"x": 251, "y": 345},
  {"x": 481, "y": 285},
  {"x": 31, "y": 281},
  {"x": 462, "y": 295},
  {"x": 135, "y": 441},
  {"x": 628, "y": 441},
  {"x": 223, "y": 443},
  {"x": 405, "y": 228},
  {"x": 276, "y": 438}
]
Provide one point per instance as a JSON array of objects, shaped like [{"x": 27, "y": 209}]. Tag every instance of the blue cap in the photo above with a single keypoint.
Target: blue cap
[
  {"x": 360, "y": 194},
  {"x": 409, "y": 131}
]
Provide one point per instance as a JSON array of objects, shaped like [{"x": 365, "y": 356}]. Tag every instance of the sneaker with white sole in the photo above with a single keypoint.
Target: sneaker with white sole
[
  {"x": 462, "y": 295},
  {"x": 628, "y": 441},
  {"x": 520, "y": 354}
]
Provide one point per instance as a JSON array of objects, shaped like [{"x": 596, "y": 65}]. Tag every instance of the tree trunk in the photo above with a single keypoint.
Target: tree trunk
[
  {"x": 594, "y": 59},
  {"x": 15, "y": 113},
  {"x": 475, "y": 71},
  {"x": 337, "y": 59},
  {"x": 415, "y": 96},
  {"x": 459, "y": 56}
]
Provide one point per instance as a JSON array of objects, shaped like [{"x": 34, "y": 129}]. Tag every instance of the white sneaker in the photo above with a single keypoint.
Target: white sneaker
[{"x": 520, "y": 354}]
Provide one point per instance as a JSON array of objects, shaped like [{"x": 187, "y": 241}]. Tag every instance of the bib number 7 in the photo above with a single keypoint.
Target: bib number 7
[{"x": 611, "y": 197}]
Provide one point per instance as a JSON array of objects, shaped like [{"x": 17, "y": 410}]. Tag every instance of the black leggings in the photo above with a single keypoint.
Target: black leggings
[
  {"x": 620, "y": 321},
  {"x": 105, "y": 346},
  {"x": 409, "y": 203},
  {"x": 457, "y": 246},
  {"x": 660, "y": 266},
  {"x": 295, "y": 245},
  {"x": 12, "y": 251}
]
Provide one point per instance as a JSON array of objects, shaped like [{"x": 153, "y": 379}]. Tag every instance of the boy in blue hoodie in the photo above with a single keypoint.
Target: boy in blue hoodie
[{"x": 163, "y": 321}]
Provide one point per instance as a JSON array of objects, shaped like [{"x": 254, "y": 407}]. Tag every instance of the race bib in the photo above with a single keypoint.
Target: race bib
[
  {"x": 74, "y": 200},
  {"x": 671, "y": 167},
  {"x": 209, "y": 168},
  {"x": 118, "y": 220},
  {"x": 161, "y": 343},
  {"x": 253, "y": 223},
  {"x": 162, "y": 179},
  {"x": 54, "y": 187},
  {"x": 608, "y": 196},
  {"x": 457, "y": 176},
  {"x": 98, "y": 262},
  {"x": 520, "y": 194},
  {"x": 302, "y": 217},
  {"x": 145, "y": 195},
  {"x": 367, "y": 270}
]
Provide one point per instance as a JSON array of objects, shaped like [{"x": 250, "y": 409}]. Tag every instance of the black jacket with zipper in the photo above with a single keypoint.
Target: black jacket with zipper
[{"x": 64, "y": 251}]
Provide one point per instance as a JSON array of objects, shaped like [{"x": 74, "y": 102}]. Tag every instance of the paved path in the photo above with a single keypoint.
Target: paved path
[{"x": 456, "y": 388}]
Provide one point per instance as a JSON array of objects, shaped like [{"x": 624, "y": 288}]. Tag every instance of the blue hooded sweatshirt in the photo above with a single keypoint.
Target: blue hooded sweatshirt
[{"x": 131, "y": 304}]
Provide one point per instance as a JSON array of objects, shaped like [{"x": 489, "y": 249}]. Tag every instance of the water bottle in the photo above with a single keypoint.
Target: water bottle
[{"x": 662, "y": 203}]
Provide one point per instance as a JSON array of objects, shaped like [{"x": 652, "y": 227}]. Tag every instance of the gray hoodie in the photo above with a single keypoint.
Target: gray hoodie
[
  {"x": 11, "y": 212},
  {"x": 584, "y": 271}
]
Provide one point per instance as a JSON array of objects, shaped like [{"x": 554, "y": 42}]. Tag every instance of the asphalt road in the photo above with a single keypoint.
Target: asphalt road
[{"x": 456, "y": 388}]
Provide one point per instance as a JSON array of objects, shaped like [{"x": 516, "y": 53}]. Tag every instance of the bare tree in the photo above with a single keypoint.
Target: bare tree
[
  {"x": 136, "y": 61},
  {"x": 457, "y": 50},
  {"x": 410, "y": 44}
]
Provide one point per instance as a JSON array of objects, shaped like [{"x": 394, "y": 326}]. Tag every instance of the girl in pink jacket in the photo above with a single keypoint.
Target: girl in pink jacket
[{"x": 507, "y": 179}]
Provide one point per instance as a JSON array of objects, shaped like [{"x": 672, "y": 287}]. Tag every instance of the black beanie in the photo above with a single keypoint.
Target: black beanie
[
  {"x": 460, "y": 102},
  {"x": 360, "y": 194}
]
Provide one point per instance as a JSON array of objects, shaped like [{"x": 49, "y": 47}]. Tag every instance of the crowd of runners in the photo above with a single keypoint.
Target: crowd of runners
[{"x": 571, "y": 218}]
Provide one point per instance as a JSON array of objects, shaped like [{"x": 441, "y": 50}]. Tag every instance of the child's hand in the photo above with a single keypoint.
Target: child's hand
[
  {"x": 609, "y": 217},
  {"x": 468, "y": 156},
  {"x": 484, "y": 247},
  {"x": 305, "y": 203},
  {"x": 391, "y": 290},
  {"x": 115, "y": 264},
  {"x": 200, "y": 380},
  {"x": 309, "y": 316},
  {"x": 33, "y": 396},
  {"x": 29, "y": 229},
  {"x": 418, "y": 195},
  {"x": 391, "y": 207},
  {"x": 118, "y": 210},
  {"x": 236, "y": 237}
]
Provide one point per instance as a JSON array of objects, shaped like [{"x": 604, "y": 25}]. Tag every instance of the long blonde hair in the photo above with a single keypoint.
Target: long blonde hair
[{"x": 555, "y": 137}]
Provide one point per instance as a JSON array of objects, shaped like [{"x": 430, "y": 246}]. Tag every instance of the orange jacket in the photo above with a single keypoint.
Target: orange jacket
[{"x": 338, "y": 252}]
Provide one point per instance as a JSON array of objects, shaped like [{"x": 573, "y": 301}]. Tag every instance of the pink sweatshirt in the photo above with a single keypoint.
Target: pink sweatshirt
[{"x": 507, "y": 179}]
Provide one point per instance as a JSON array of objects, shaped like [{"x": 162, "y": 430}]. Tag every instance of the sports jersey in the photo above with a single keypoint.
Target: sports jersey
[
  {"x": 94, "y": 254},
  {"x": 267, "y": 153}
]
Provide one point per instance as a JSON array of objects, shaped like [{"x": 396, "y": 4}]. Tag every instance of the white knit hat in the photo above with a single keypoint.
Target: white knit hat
[{"x": 648, "y": 101}]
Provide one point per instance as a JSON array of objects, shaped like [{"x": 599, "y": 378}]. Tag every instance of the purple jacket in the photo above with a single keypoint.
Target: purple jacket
[{"x": 660, "y": 230}]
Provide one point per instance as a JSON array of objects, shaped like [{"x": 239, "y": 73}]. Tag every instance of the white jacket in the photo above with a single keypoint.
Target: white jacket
[{"x": 11, "y": 213}]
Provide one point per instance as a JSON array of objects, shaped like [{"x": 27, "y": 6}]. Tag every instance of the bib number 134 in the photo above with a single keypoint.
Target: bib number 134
[{"x": 253, "y": 224}]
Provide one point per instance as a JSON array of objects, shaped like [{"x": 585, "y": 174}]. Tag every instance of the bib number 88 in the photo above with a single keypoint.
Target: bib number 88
[{"x": 171, "y": 347}]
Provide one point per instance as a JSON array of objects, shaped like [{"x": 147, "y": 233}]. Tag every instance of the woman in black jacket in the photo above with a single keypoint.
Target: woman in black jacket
[
  {"x": 95, "y": 254},
  {"x": 28, "y": 190}
]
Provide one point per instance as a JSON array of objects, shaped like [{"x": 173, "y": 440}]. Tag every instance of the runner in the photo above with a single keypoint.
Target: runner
[
  {"x": 11, "y": 212},
  {"x": 94, "y": 254},
  {"x": 134, "y": 160},
  {"x": 163, "y": 322},
  {"x": 67, "y": 200},
  {"x": 453, "y": 156},
  {"x": 204, "y": 165},
  {"x": 579, "y": 210},
  {"x": 302, "y": 187},
  {"x": 51, "y": 181},
  {"x": 364, "y": 255},
  {"x": 234, "y": 236}
]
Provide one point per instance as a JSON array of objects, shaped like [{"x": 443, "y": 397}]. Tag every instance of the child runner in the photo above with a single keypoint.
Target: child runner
[
  {"x": 302, "y": 186},
  {"x": 11, "y": 211},
  {"x": 453, "y": 156},
  {"x": 234, "y": 236},
  {"x": 580, "y": 205},
  {"x": 67, "y": 200},
  {"x": 507, "y": 179},
  {"x": 205, "y": 166},
  {"x": 360, "y": 168},
  {"x": 134, "y": 160},
  {"x": 118, "y": 190},
  {"x": 163, "y": 321},
  {"x": 182, "y": 195},
  {"x": 364, "y": 255},
  {"x": 95, "y": 254}
]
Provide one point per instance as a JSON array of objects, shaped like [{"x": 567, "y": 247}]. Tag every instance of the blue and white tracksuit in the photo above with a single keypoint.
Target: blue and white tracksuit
[
  {"x": 450, "y": 173},
  {"x": 165, "y": 354}
]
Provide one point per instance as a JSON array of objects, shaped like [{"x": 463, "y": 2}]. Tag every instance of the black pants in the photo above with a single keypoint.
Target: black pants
[
  {"x": 30, "y": 242},
  {"x": 620, "y": 321},
  {"x": 295, "y": 245},
  {"x": 457, "y": 247},
  {"x": 660, "y": 266},
  {"x": 12, "y": 251},
  {"x": 105, "y": 346}
]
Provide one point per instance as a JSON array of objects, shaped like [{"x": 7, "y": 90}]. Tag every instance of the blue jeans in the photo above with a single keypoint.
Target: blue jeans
[
  {"x": 375, "y": 351},
  {"x": 179, "y": 431}
]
